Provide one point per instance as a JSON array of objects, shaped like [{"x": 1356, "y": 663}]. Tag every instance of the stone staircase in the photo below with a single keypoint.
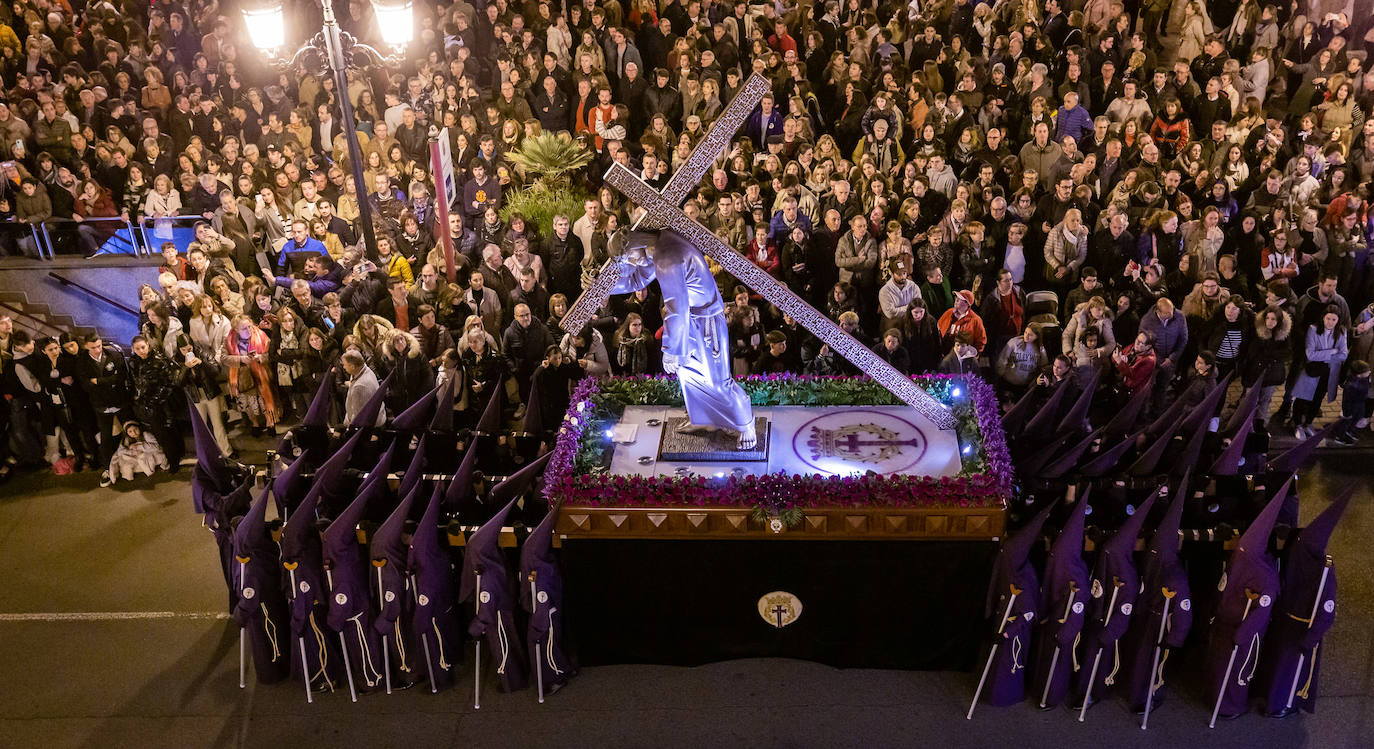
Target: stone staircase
[{"x": 38, "y": 319}]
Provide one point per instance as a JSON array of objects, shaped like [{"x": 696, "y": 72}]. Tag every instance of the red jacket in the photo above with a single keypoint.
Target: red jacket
[
  {"x": 1135, "y": 371},
  {"x": 970, "y": 323}
]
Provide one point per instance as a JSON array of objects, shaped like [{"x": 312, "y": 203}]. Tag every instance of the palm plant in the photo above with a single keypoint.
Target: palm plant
[{"x": 550, "y": 158}]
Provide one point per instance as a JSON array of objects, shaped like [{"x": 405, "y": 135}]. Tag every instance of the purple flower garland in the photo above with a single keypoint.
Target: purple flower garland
[{"x": 990, "y": 487}]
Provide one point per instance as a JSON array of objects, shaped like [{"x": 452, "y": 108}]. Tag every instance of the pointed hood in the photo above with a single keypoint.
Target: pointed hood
[
  {"x": 318, "y": 413},
  {"x": 1016, "y": 417},
  {"x": 424, "y": 544},
  {"x": 329, "y": 477},
  {"x": 460, "y": 488},
  {"x": 251, "y": 537},
  {"x": 1125, "y": 419},
  {"x": 1078, "y": 413},
  {"x": 1066, "y": 462},
  {"x": 482, "y": 555},
  {"x": 290, "y": 485},
  {"x": 538, "y": 548},
  {"x": 342, "y": 531},
  {"x": 443, "y": 411},
  {"x": 1035, "y": 464},
  {"x": 1066, "y": 554},
  {"x": 1192, "y": 449},
  {"x": 1014, "y": 557},
  {"x": 1164, "y": 542},
  {"x": 1255, "y": 540},
  {"x": 299, "y": 536},
  {"x": 1123, "y": 541},
  {"x": 1205, "y": 410},
  {"x": 367, "y": 415},
  {"x": 534, "y": 412},
  {"x": 1228, "y": 462},
  {"x": 1106, "y": 461},
  {"x": 417, "y": 417},
  {"x": 1292, "y": 459},
  {"x": 490, "y": 423},
  {"x": 1149, "y": 460},
  {"x": 415, "y": 472},
  {"x": 517, "y": 483},
  {"x": 387, "y": 541},
  {"x": 1167, "y": 418},
  {"x": 1314, "y": 537},
  {"x": 1046, "y": 417},
  {"x": 1244, "y": 411}
]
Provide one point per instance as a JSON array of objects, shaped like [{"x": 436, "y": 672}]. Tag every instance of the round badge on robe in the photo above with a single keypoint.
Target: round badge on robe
[
  {"x": 305, "y": 587},
  {"x": 1077, "y": 607},
  {"x": 341, "y": 599},
  {"x": 390, "y": 596},
  {"x": 484, "y": 597},
  {"x": 1185, "y": 604},
  {"x": 423, "y": 600},
  {"x": 542, "y": 597},
  {"x": 1126, "y": 609},
  {"x": 1265, "y": 601},
  {"x": 1329, "y": 606},
  {"x": 249, "y": 592}
]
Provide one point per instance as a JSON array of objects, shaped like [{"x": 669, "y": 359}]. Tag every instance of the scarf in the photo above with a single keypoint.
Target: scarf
[
  {"x": 1011, "y": 308},
  {"x": 256, "y": 343}
]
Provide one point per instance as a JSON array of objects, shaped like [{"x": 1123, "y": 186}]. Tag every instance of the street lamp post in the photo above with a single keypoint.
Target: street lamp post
[{"x": 336, "y": 50}]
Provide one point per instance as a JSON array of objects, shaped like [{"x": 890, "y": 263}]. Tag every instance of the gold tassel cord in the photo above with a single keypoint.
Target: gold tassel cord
[
  {"x": 271, "y": 630},
  {"x": 439, "y": 640},
  {"x": 1311, "y": 672},
  {"x": 323, "y": 654},
  {"x": 548, "y": 646}
]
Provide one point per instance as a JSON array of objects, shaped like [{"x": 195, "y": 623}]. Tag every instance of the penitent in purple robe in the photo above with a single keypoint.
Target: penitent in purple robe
[
  {"x": 435, "y": 620},
  {"x": 304, "y": 581},
  {"x": 350, "y": 602},
  {"x": 1293, "y": 647},
  {"x": 541, "y": 594},
  {"x": 1248, "y": 589},
  {"x": 1112, "y": 598},
  {"x": 394, "y": 601},
  {"x": 1013, "y": 574},
  {"x": 261, "y": 609},
  {"x": 1164, "y": 580},
  {"x": 1063, "y": 600}
]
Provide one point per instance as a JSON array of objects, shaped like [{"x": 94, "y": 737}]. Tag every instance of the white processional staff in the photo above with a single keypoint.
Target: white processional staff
[
  {"x": 538, "y": 659},
  {"x": 1250, "y": 597},
  {"x": 381, "y": 606},
  {"x": 477, "y": 654},
  {"x": 424, "y": 642},
  {"x": 1001, "y": 627},
  {"x": 1154, "y": 662},
  {"x": 1316, "y": 604},
  {"x": 343, "y": 643},
  {"x": 1054, "y": 659},
  {"x": 243, "y": 630},
  {"x": 1097, "y": 659},
  {"x": 305, "y": 662}
]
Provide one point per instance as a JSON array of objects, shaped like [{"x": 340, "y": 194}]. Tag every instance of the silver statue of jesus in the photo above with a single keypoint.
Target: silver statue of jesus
[{"x": 696, "y": 342}]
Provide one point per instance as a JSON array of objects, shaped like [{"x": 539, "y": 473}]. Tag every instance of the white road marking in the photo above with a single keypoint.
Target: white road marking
[{"x": 104, "y": 616}]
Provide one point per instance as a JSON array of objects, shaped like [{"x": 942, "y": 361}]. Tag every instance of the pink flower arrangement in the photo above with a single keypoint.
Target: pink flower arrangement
[{"x": 985, "y": 482}]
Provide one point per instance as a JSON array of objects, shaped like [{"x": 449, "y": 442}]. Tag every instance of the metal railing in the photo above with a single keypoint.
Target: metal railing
[
  {"x": 33, "y": 324},
  {"x": 131, "y": 242},
  {"x": 91, "y": 292}
]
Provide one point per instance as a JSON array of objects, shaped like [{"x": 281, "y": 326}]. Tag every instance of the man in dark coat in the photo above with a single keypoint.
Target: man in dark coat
[
  {"x": 523, "y": 344},
  {"x": 563, "y": 255},
  {"x": 104, "y": 375}
]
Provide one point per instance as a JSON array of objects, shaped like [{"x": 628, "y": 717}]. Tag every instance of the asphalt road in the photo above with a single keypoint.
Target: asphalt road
[{"x": 112, "y": 635}]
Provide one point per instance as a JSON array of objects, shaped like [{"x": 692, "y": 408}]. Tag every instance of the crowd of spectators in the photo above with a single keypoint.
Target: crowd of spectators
[{"x": 1030, "y": 190}]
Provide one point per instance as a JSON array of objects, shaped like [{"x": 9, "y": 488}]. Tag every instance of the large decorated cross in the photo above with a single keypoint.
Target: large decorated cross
[{"x": 664, "y": 210}]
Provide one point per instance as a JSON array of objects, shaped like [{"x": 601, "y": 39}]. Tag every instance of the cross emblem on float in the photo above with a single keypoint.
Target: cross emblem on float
[{"x": 663, "y": 210}]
